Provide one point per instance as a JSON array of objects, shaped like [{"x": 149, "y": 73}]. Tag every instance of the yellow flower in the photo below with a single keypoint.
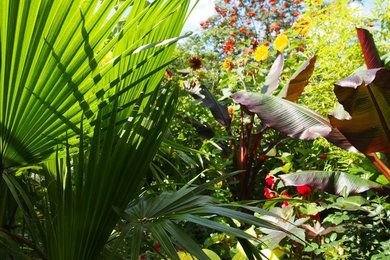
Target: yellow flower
[
  {"x": 304, "y": 31},
  {"x": 227, "y": 65},
  {"x": 281, "y": 42},
  {"x": 181, "y": 84},
  {"x": 261, "y": 53}
]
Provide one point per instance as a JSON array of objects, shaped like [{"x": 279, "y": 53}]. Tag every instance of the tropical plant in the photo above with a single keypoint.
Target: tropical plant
[
  {"x": 162, "y": 217},
  {"x": 298, "y": 121},
  {"x": 64, "y": 73}
]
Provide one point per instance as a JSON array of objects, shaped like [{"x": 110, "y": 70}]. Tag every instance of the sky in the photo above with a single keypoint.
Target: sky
[{"x": 202, "y": 11}]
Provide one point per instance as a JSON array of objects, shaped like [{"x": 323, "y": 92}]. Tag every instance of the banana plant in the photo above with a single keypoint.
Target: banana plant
[{"x": 365, "y": 96}]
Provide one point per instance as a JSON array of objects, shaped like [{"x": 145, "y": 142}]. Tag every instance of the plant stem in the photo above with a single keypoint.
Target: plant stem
[
  {"x": 24, "y": 241},
  {"x": 379, "y": 164}
]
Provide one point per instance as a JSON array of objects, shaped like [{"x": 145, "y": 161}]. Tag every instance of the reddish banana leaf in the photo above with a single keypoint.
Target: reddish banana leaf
[
  {"x": 298, "y": 81},
  {"x": 332, "y": 182},
  {"x": 366, "y": 97},
  {"x": 272, "y": 80},
  {"x": 203, "y": 131},
  {"x": 371, "y": 55},
  {"x": 219, "y": 111},
  {"x": 290, "y": 118}
]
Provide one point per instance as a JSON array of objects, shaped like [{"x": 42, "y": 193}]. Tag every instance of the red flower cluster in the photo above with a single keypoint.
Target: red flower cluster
[
  {"x": 285, "y": 203},
  {"x": 304, "y": 190},
  {"x": 275, "y": 27},
  {"x": 157, "y": 246},
  {"x": 270, "y": 180},
  {"x": 228, "y": 47},
  {"x": 269, "y": 194}
]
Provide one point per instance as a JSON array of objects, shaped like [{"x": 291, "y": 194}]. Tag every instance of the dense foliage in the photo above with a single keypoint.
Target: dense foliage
[{"x": 265, "y": 135}]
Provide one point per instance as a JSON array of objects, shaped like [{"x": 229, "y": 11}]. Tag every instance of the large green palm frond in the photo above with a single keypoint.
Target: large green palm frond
[
  {"x": 82, "y": 192},
  {"x": 162, "y": 215},
  {"x": 53, "y": 65}
]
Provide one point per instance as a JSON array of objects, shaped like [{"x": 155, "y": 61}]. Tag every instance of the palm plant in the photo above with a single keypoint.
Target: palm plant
[
  {"x": 54, "y": 68},
  {"x": 59, "y": 82}
]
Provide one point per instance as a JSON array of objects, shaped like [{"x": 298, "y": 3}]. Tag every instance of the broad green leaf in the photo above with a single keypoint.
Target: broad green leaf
[
  {"x": 332, "y": 182},
  {"x": 350, "y": 203}
]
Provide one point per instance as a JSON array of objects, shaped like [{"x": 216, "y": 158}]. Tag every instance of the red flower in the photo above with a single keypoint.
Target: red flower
[
  {"x": 296, "y": 13},
  {"x": 315, "y": 217},
  {"x": 233, "y": 20},
  {"x": 217, "y": 8},
  {"x": 240, "y": 4},
  {"x": 275, "y": 10},
  {"x": 270, "y": 180},
  {"x": 272, "y": 3},
  {"x": 195, "y": 63},
  {"x": 142, "y": 257},
  {"x": 234, "y": 13},
  {"x": 269, "y": 194},
  {"x": 242, "y": 29},
  {"x": 322, "y": 156},
  {"x": 304, "y": 190},
  {"x": 251, "y": 13},
  {"x": 266, "y": 43},
  {"x": 227, "y": 1},
  {"x": 157, "y": 246},
  {"x": 248, "y": 22},
  {"x": 229, "y": 47},
  {"x": 285, "y": 204},
  {"x": 287, "y": 195}
]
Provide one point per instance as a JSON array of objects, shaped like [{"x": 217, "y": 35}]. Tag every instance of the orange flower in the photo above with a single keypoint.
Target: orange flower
[
  {"x": 231, "y": 110},
  {"x": 227, "y": 65},
  {"x": 229, "y": 47},
  {"x": 195, "y": 63},
  {"x": 168, "y": 74}
]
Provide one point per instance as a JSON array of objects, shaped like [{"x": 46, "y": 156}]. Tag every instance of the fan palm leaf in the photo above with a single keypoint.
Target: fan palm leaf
[{"x": 53, "y": 67}]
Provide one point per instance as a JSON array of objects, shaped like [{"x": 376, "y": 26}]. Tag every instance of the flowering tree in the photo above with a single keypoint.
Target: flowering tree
[{"x": 239, "y": 26}]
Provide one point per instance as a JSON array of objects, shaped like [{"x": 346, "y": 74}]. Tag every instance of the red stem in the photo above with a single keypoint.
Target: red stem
[{"x": 379, "y": 164}]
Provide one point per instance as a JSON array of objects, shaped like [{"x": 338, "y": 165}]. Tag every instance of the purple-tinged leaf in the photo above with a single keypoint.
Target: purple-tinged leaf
[
  {"x": 366, "y": 97},
  {"x": 290, "y": 119},
  {"x": 219, "y": 111},
  {"x": 273, "y": 77},
  {"x": 299, "y": 80},
  {"x": 332, "y": 182},
  {"x": 370, "y": 52}
]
